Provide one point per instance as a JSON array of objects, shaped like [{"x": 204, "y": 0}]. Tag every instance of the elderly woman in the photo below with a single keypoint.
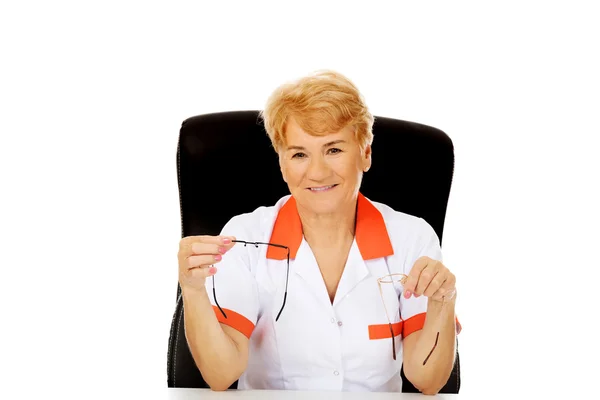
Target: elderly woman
[{"x": 326, "y": 289}]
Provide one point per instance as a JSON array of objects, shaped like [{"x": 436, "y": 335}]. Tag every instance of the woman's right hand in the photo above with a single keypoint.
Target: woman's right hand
[{"x": 197, "y": 256}]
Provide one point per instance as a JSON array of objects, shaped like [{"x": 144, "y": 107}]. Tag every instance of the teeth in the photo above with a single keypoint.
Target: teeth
[{"x": 322, "y": 188}]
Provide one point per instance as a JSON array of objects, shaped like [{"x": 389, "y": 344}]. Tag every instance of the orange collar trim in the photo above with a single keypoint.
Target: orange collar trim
[{"x": 371, "y": 233}]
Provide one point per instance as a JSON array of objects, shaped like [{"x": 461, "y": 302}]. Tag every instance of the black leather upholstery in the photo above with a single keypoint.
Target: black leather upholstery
[{"x": 227, "y": 166}]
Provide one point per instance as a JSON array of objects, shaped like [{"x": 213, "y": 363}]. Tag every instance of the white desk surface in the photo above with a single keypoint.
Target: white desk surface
[{"x": 193, "y": 394}]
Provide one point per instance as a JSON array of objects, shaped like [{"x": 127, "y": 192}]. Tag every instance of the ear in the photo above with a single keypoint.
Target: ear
[{"x": 366, "y": 158}]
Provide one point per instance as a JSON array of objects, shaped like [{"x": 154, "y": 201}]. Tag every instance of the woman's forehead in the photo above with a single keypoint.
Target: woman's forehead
[{"x": 294, "y": 133}]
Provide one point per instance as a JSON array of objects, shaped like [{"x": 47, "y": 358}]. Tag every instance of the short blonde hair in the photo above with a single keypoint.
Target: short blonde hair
[{"x": 321, "y": 103}]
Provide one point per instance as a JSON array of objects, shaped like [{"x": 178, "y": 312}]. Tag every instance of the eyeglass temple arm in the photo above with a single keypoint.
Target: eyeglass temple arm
[
  {"x": 287, "y": 275},
  {"x": 215, "y": 297},
  {"x": 257, "y": 243},
  {"x": 434, "y": 346}
]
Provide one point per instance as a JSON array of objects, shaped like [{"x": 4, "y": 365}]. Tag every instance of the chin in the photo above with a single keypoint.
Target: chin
[{"x": 320, "y": 203}]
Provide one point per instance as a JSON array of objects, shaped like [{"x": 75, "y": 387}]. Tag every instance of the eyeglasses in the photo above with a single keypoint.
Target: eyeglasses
[
  {"x": 256, "y": 244},
  {"x": 401, "y": 279}
]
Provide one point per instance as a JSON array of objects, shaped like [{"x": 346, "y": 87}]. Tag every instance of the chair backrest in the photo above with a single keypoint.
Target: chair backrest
[{"x": 226, "y": 166}]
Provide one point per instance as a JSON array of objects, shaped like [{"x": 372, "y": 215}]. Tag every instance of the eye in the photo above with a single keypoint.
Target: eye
[
  {"x": 298, "y": 155},
  {"x": 334, "y": 150}
]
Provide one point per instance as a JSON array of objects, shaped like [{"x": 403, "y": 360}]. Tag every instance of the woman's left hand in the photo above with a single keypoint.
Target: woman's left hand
[{"x": 430, "y": 278}]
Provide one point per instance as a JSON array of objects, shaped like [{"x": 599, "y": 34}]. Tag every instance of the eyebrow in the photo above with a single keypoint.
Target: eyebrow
[{"x": 325, "y": 145}]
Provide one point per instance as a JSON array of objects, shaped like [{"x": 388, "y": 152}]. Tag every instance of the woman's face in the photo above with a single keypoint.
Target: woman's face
[{"x": 322, "y": 172}]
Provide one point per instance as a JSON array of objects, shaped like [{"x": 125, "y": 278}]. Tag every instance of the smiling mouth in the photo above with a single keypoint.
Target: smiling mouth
[{"x": 322, "y": 188}]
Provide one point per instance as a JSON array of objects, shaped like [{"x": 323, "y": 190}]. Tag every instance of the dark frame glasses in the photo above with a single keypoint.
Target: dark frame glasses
[{"x": 256, "y": 244}]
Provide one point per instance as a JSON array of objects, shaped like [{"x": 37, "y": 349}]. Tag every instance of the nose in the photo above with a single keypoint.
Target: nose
[{"x": 318, "y": 169}]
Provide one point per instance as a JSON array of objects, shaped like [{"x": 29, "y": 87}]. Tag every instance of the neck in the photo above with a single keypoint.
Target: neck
[{"x": 329, "y": 230}]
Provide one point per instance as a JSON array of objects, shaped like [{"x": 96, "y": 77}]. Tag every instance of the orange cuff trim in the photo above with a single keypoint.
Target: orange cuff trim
[
  {"x": 235, "y": 320},
  {"x": 413, "y": 324},
  {"x": 383, "y": 331}
]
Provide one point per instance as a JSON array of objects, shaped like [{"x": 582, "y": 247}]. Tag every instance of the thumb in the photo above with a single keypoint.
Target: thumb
[{"x": 409, "y": 286}]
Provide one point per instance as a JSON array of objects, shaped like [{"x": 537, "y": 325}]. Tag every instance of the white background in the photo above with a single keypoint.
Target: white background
[{"x": 92, "y": 98}]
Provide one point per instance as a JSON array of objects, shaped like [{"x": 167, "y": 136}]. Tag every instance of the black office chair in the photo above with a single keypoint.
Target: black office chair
[{"x": 227, "y": 166}]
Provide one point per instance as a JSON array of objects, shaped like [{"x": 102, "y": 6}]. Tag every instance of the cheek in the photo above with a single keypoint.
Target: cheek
[
  {"x": 293, "y": 174},
  {"x": 348, "y": 170}
]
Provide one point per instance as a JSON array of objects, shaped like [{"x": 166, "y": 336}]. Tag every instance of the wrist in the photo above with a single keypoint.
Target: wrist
[
  {"x": 439, "y": 306},
  {"x": 448, "y": 298},
  {"x": 193, "y": 291}
]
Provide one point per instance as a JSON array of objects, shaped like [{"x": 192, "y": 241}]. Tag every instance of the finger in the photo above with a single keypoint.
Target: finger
[
  {"x": 199, "y": 248},
  {"x": 202, "y": 272},
  {"x": 413, "y": 276},
  {"x": 227, "y": 241},
  {"x": 435, "y": 284},
  {"x": 188, "y": 241},
  {"x": 202, "y": 244},
  {"x": 447, "y": 290},
  {"x": 425, "y": 279},
  {"x": 203, "y": 260},
  {"x": 193, "y": 277}
]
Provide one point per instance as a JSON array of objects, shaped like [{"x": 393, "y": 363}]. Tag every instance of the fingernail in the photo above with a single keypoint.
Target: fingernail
[
  {"x": 226, "y": 241},
  {"x": 222, "y": 250},
  {"x": 218, "y": 257},
  {"x": 212, "y": 270},
  {"x": 407, "y": 294}
]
